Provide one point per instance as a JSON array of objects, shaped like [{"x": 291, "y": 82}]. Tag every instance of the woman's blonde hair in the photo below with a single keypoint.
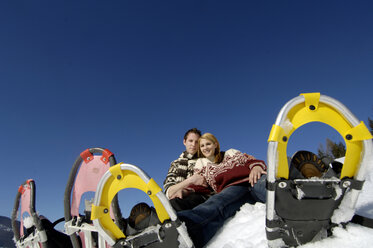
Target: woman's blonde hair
[{"x": 212, "y": 138}]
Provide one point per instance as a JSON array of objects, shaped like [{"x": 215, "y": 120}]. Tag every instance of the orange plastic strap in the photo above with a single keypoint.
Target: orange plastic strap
[
  {"x": 106, "y": 154},
  {"x": 21, "y": 189},
  {"x": 87, "y": 156}
]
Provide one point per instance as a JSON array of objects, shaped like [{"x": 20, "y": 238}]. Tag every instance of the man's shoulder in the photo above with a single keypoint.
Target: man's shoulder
[
  {"x": 182, "y": 157},
  {"x": 186, "y": 156}
]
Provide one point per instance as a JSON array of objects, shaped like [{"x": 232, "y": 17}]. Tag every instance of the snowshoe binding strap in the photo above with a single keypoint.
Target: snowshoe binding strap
[
  {"x": 362, "y": 220},
  {"x": 121, "y": 176},
  {"x": 291, "y": 219}
]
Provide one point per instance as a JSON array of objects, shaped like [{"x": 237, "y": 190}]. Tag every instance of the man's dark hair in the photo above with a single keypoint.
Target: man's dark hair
[{"x": 193, "y": 130}]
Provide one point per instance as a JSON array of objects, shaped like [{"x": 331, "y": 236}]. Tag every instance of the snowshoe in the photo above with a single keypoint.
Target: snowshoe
[
  {"x": 146, "y": 226},
  {"x": 34, "y": 231},
  {"x": 305, "y": 208},
  {"x": 84, "y": 176}
]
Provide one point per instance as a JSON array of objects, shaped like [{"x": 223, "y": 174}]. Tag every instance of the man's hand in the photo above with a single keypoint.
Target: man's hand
[
  {"x": 180, "y": 190},
  {"x": 255, "y": 173},
  {"x": 180, "y": 194}
]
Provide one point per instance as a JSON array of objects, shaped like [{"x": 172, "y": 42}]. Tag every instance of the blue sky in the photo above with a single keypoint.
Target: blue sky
[{"x": 133, "y": 76}]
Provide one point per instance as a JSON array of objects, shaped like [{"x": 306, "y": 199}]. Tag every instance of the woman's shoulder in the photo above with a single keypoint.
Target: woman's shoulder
[
  {"x": 234, "y": 153},
  {"x": 201, "y": 162},
  {"x": 231, "y": 152}
]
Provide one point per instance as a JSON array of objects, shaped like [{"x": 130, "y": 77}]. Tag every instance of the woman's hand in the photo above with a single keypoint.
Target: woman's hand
[
  {"x": 197, "y": 179},
  {"x": 255, "y": 174}
]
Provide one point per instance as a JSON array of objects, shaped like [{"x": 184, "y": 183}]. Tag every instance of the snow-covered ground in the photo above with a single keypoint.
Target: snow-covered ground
[{"x": 247, "y": 228}]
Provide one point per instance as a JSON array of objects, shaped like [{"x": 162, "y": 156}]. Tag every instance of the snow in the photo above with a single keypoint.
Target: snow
[
  {"x": 247, "y": 228},
  {"x": 28, "y": 222}
]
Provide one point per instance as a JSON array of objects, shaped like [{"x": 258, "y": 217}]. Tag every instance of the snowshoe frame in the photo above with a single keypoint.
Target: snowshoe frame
[
  {"x": 74, "y": 223},
  {"x": 292, "y": 221}
]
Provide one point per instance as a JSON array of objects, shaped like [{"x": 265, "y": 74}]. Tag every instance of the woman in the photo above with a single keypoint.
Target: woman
[
  {"x": 237, "y": 178},
  {"x": 224, "y": 169}
]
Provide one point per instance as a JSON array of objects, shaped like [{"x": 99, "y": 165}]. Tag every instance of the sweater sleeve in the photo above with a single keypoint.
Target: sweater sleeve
[
  {"x": 252, "y": 162},
  {"x": 233, "y": 170},
  {"x": 199, "y": 165},
  {"x": 171, "y": 178},
  {"x": 180, "y": 169}
]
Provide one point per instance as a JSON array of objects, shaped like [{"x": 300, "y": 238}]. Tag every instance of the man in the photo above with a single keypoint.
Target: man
[{"x": 180, "y": 175}]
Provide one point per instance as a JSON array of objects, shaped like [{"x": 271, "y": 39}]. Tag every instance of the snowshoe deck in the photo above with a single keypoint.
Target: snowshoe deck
[
  {"x": 302, "y": 210},
  {"x": 167, "y": 231}
]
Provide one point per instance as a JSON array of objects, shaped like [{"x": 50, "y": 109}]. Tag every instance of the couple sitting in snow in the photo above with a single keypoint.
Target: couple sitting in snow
[{"x": 208, "y": 190}]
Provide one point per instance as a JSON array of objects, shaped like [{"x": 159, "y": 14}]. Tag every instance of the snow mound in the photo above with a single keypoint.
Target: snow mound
[{"x": 245, "y": 229}]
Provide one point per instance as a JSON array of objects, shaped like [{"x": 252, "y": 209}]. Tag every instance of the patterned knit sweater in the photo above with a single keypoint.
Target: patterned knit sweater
[
  {"x": 180, "y": 169},
  {"x": 234, "y": 169}
]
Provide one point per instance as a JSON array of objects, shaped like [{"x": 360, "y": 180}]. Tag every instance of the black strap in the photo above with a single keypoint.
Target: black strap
[
  {"x": 361, "y": 220},
  {"x": 58, "y": 221}
]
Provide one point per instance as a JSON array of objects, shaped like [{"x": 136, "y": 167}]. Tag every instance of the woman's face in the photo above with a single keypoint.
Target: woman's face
[{"x": 207, "y": 148}]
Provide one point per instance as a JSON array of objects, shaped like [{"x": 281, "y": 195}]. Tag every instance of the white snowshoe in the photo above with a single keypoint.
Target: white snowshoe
[
  {"x": 159, "y": 227},
  {"x": 301, "y": 210},
  {"x": 34, "y": 231},
  {"x": 84, "y": 176}
]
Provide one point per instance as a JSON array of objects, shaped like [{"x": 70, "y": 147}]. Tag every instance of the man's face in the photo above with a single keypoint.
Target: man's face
[{"x": 191, "y": 143}]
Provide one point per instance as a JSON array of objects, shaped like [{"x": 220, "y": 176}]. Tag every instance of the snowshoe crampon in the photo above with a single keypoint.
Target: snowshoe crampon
[
  {"x": 166, "y": 231},
  {"x": 84, "y": 176},
  {"x": 305, "y": 210}
]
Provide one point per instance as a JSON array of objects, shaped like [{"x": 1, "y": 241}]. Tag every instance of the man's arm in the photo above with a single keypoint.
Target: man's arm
[
  {"x": 180, "y": 176},
  {"x": 173, "y": 176},
  {"x": 177, "y": 190}
]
